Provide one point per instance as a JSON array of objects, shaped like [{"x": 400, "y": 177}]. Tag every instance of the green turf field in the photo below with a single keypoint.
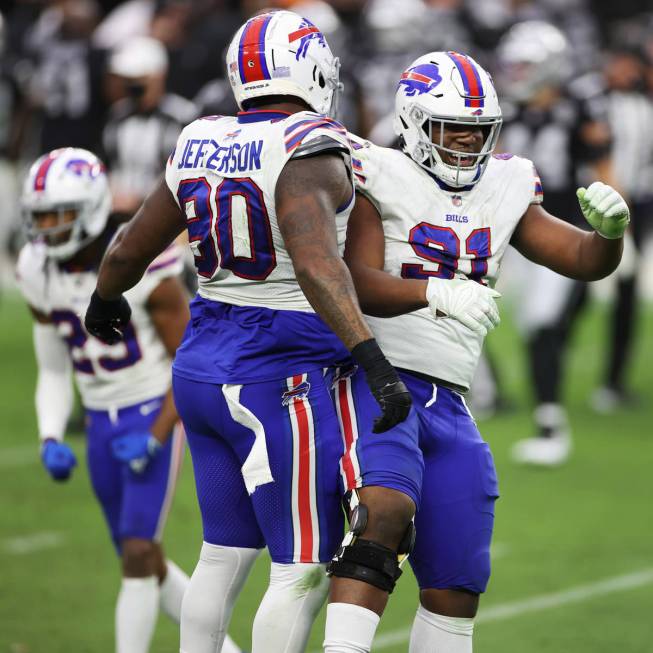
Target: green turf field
[{"x": 573, "y": 570}]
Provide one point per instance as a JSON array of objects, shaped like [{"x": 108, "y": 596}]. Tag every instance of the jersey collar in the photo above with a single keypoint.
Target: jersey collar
[
  {"x": 438, "y": 181},
  {"x": 446, "y": 187},
  {"x": 261, "y": 115}
]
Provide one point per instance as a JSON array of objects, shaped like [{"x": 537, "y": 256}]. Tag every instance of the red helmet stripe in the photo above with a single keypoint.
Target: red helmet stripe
[
  {"x": 409, "y": 74},
  {"x": 300, "y": 33},
  {"x": 471, "y": 80},
  {"x": 42, "y": 172},
  {"x": 251, "y": 51}
]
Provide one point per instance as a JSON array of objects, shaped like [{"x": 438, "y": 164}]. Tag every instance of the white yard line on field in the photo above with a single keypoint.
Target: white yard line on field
[
  {"x": 30, "y": 543},
  {"x": 537, "y": 603}
]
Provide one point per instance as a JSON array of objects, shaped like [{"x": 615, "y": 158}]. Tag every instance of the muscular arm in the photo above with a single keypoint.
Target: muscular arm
[
  {"x": 168, "y": 308},
  {"x": 156, "y": 224},
  {"x": 307, "y": 195},
  {"x": 572, "y": 252},
  {"x": 380, "y": 294}
]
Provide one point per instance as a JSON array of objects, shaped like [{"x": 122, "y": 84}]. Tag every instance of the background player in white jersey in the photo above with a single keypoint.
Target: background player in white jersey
[
  {"x": 133, "y": 448},
  {"x": 424, "y": 244},
  {"x": 265, "y": 198}
]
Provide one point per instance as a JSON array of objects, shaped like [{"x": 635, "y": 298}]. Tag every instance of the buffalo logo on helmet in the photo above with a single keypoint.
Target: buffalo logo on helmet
[
  {"x": 420, "y": 79},
  {"x": 81, "y": 167},
  {"x": 306, "y": 33}
]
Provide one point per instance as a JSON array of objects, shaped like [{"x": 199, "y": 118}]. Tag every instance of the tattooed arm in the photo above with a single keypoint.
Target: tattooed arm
[{"x": 307, "y": 194}]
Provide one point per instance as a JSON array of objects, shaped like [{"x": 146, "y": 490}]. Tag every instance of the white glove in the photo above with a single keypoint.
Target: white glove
[{"x": 469, "y": 302}]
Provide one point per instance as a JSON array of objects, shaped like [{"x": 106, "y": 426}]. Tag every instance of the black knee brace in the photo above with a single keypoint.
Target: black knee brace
[{"x": 368, "y": 561}]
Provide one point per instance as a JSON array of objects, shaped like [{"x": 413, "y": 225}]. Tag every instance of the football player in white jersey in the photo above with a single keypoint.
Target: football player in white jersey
[
  {"x": 265, "y": 198},
  {"x": 424, "y": 244},
  {"x": 133, "y": 447}
]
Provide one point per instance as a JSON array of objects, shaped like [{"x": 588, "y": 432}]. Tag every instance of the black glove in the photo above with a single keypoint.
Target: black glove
[
  {"x": 105, "y": 318},
  {"x": 386, "y": 386}
]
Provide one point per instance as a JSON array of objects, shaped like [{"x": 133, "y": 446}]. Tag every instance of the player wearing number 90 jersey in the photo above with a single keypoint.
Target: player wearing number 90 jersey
[
  {"x": 424, "y": 244},
  {"x": 265, "y": 197},
  {"x": 223, "y": 176}
]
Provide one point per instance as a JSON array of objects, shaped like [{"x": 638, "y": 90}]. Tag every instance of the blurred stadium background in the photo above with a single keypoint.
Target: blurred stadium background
[{"x": 573, "y": 569}]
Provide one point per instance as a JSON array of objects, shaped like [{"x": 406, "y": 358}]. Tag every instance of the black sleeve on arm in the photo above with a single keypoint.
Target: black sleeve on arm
[{"x": 319, "y": 145}]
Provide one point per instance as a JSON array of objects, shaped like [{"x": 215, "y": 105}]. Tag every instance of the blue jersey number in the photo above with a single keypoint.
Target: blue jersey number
[
  {"x": 76, "y": 337},
  {"x": 195, "y": 199},
  {"x": 441, "y": 246},
  {"x": 240, "y": 229}
]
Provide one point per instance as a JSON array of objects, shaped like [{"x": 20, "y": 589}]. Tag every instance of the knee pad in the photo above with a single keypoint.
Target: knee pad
[{"x": 368, "y": 561}]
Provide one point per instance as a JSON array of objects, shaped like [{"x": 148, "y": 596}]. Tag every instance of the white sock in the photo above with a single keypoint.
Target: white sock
[
  {"x": 551, "y": 416},
  {"x": 209, "y": 600},
  {"x": 229, "y": 646},
  {"x": 435, "y": 633},
  {"x": 349, "y": 628},
  {"x": 172, "y": 591},
  {"x": 136, "y": 612},
  {"x": 286, "y": 613}
]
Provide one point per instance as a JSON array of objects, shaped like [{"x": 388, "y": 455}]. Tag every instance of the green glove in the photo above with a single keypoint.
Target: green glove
[{"x": 604, "y": 209}]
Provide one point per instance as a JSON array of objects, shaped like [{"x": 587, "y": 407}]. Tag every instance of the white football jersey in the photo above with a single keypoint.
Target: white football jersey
[
  {"x": 108, "y": 376},
  {"x": 434, "y": 231},
  {"x": 223, "y": 174}
]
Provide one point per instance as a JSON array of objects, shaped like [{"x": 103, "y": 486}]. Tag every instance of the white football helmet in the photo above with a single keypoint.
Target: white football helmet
[
  {"x": 66, "y": 179},
  {"x": 532, "y": 55},
  {"x": 440, "y": 89},
  {"x": 281, "y": 53}
]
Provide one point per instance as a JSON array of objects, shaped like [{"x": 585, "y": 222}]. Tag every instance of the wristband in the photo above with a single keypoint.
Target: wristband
[
  {"x": 105, "y": 307},
  {"x": 369, "y": 356}
]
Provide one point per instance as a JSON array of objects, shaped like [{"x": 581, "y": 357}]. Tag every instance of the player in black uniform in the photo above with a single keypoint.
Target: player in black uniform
[{"x": 562, "y": 127}]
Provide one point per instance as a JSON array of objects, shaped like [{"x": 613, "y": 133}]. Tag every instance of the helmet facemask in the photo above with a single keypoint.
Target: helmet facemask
[
  {"x": 332, "y": 81},
  {"x": 65, "y": 248},
  {"x": 429, "y": 151},
  {"x": 327, "y": 77}
]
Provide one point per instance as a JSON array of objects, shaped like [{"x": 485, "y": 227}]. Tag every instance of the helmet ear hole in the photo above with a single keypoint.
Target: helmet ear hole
[
  {"x": 318, "y": 77},
  {"x": 403, "y": 122}
]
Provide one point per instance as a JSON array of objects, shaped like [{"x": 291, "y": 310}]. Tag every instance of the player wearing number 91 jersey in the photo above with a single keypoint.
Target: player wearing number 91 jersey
[{"x": 425, "y": 242}]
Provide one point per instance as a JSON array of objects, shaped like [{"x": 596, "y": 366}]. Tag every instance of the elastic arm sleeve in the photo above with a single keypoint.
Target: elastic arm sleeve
[
  {"x": 54, "y": 392},
  {"x": 319, "y": 145}
]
